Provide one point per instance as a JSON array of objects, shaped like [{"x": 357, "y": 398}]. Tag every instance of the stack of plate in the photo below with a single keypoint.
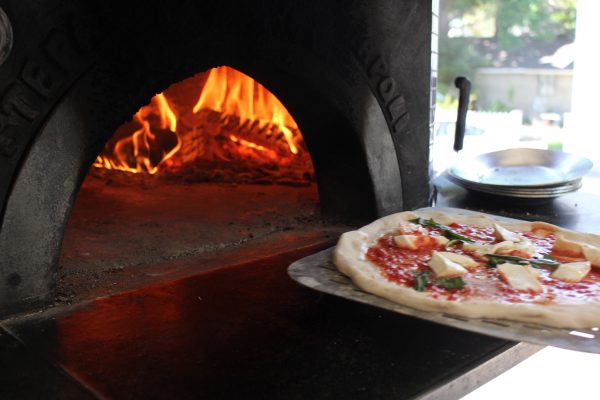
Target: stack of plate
[{"x": 524, "y": 173}]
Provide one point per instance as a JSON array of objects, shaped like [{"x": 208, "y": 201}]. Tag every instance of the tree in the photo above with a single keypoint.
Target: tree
[
  {"x": 545, "y": 19},
  {"x": 512, "y": 20}
]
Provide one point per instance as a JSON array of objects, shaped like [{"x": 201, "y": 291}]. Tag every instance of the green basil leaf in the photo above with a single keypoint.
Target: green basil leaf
[
  {"x": 541, "y": 263},
  {"x": 493, "y": 262},
  {"x": 455, "y": 236},
  {"x": 495, "y": 259},
  {"x": 451, "y": 283},
  {"x": 427, "y": 222},
  {"x": 448, "y": 233},
  {"x": 421, "y": 281},
  {"x": 453, "y": 242}
]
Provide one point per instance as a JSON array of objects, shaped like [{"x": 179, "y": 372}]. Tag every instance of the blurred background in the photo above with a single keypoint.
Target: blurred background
[{"x": 533, "y": 68}]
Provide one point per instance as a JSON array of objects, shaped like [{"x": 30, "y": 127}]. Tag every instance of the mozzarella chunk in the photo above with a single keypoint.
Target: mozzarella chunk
[
  {"x": 533, "y": 271},
  {"x": 592, "y": 254},
  {"x": 406, "y": 241},
  {"x": 483, "y": 249},
  {"x": 572, "y": 272},
  {"x": 461, "y": 259},
  {"x": 477, "y": 248},
  {"x": 504, "y": 234},
  {"x": 564, "y": 245},
  {"x": 413, "y": 242},
  {"x": 444, "y": 267},
  {"x": 408, "y": 228},
  {"x": 526, "y": 247},
  {"x": 520, "y": 243},
  {"x": 441, "y": 240},
  {"x": 506, "y": 245},
  {"x": 519, "y": 277},
  {"x": 576, "y": 249}
]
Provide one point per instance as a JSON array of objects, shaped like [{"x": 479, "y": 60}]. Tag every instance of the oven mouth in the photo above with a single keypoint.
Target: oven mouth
[{"x": 213, "y": 167}]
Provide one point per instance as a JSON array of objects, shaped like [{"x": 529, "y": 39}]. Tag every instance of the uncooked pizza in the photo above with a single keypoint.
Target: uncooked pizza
[{"x": 477, "y": 266}]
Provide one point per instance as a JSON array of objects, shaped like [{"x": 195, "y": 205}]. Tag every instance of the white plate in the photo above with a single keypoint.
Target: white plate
[{"x": 521, "y": 192}]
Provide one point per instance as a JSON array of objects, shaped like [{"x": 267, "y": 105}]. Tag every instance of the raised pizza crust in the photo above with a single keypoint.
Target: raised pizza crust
[{"x": 349, "y": 258}]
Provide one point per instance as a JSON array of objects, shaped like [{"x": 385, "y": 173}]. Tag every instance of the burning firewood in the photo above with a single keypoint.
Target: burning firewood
[{"x": 241, "y": 133}]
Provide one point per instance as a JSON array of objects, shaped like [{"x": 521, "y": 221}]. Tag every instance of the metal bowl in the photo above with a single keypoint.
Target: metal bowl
[{"x": 520, "y": 168}]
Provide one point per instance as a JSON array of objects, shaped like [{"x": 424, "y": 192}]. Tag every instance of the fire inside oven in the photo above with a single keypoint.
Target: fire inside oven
[
  {"x": 220, "y": 125},
  {"x": 212, "y": 165}
]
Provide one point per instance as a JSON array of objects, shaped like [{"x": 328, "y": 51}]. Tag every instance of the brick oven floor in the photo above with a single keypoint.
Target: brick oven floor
[
  {"x": 246, "y": 330},
  {"x": 129, "y": 231}
]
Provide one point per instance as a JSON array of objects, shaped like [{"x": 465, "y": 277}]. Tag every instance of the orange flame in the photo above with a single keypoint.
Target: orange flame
[
  {"x": 267, "y": 129},
  {"x": 137, "y": 153},
  {"x": 231, "y": 92}
]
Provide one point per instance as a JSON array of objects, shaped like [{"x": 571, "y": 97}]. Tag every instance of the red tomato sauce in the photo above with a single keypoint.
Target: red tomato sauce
[{"x": 483, "y": 282}]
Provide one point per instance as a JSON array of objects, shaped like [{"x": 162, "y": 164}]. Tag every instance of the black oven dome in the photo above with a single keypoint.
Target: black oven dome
[{"x": 357, "y": 79}]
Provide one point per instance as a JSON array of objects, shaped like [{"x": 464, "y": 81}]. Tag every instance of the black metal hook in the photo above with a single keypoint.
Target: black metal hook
[{"x": 464, "y": 91}]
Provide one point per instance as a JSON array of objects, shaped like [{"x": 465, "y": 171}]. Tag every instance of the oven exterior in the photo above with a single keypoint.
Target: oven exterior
[{"x": 357, "y": 78}]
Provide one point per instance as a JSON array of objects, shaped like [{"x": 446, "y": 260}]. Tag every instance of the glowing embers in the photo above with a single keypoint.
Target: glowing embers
[{"x": 216, "y": 126}]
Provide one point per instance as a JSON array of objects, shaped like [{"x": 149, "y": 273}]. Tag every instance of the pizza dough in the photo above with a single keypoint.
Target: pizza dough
[{"x": 350, "y": 257}]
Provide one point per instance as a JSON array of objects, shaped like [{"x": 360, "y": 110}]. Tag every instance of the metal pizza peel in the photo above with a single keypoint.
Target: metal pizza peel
[{"x": 318, "y": 272}]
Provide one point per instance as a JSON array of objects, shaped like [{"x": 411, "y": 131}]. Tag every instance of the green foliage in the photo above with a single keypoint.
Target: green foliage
[
  {"x": 446, "y": 101},
  {"x": 457, "y": 58},
  {"x": 555, "y": 145},
  {"x": 500, "y": 107},
  {"x": 545, "y": 19},
  {"x": 542, "y": 19}
]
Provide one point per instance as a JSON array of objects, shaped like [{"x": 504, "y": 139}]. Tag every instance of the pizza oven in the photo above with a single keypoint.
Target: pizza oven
[
  {"x": 146, "y": 142},
  {"x": 161, "y": 166}
]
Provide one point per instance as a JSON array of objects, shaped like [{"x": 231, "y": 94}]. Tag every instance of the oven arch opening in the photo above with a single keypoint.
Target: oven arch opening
[
  {"x": 211, "y": 170},
  {"x": 348, "y": 168}
]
